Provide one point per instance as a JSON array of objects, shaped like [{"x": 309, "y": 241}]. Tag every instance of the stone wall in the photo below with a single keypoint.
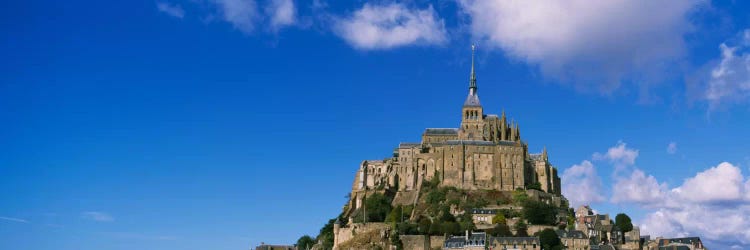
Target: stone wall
[
  {"x": 416, "y": 242},
  {"x": 436, "y": 242},
  {"x": 538, "y": 228},
  {"x": 378, "y": 232}
]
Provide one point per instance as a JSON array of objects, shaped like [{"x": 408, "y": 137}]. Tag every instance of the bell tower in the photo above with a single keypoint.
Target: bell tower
[{"x": 472, "y": 121}]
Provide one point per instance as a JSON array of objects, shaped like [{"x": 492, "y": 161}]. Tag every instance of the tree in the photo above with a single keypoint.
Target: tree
[
  {"x": 395, "y": 238},
  {"x": 521, "y": 229},
  {"x": 549, "y": 239},
  {"x": 445, "y": 214},
  {"x": 564, "y": 204},
  {"x": 498, "y": 219},
  {"x": 500, "y": 230},
  {"x": 452, "y": 228},
  {"x": 305, "y": 242},
  {"x": 535, "y": 185},
  {"x": 622, "y": 221},
  {"x": 467, "y": 222},
  {"x": 539, "y": 213},
  {"x": 396, "y": 215},
  {"x": 326, "y": 235},
  {"x": 377, "y": 207},
  {"x": 435, "y": 196},
  {"x": 520, "y": 196},
  {"x": 407, "y": 228},
  {"x": 571, "y": 222},
  {"x": 424, "y": 225}
]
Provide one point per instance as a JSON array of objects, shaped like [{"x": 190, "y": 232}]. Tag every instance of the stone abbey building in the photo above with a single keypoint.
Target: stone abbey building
[{"x": 485, "y": 152}]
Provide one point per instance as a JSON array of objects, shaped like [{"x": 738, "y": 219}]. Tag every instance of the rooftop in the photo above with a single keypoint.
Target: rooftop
[
  {"x": 515, "y": 240},
  {"x": 441, "y": 131},
  {"x": 480, "y": 143},
  {"x": 483, "y": 211},
  {"x": 472, "y": 101},
  {"x": 409, "y": 144},
  {"x": 576, "y": 234}
]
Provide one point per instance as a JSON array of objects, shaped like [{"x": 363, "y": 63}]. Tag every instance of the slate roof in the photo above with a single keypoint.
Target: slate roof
[
  {"x": 441, "y": 131},
  {"x": 514, "y": 240},
  {"x": 483, "y": 211},
  {"x": 409, "y": 145},
  {"x": 576, "y": 234},
  {"x": 685, "y": 240},
  {"x": 455, "y": 242},
  {"x": 475, "y": 239},
  {"x": 472, "y": 101},
  {"x": 480, "y": 143}
]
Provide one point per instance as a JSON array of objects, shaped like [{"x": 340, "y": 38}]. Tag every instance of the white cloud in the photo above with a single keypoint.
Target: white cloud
[
  {"x": 242, "y": 14},
  {"x": 711, "y": 223},
  {"x": 718, "y": 184},
  {"x": 619, "y": 155},
  {"x": 174, "y": 10},
  {"x": 581, "y": 185},
  {"x": 98, "y": 216},
  {"x": 638, "y": 188},
  {"x": 596, "y": 45},
  {"x": 282, "y": 13},
  {"x": 388, "y": 26},
  {"x": 672, "y": 148},
  {"x": 729, "y": 79},
  {"x": 714, "y": 204},
  {"x": 13, "y": 219}
]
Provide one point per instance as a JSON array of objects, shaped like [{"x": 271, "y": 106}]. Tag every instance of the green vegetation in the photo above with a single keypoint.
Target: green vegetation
[
  {"x": 305, "y": 242},
  {"x": 326, "y": 235},
  {"x": 509, "y": 213},
  {"x": 520, "y": 196},
  {"x": 500, "y": 230},
  {"x": 564, "y": 204},
  {"x": 571, "y": 223},
  {"x": 399, "y": 214},
  {"x": 395, "y": 239},
  {"x": 535, "y": 186},
  {"x": 539, "y": 213},
  {"x": 465, "y": 222},
  {"x": 377, "y": 206},
  {"x": 623, "y": 222},
  {"x": 498, "y": 219},
  {"x": 521, "y": 229},
  {"x": 407, "y": 228},
  {"x": 549, "y": 239}
]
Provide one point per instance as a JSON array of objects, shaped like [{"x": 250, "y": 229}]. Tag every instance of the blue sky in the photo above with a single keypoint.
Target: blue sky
[{"x": 220, "y": 124}]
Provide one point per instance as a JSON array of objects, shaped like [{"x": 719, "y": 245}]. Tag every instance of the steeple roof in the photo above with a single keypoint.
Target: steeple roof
[{"x": 473, "y": 99}]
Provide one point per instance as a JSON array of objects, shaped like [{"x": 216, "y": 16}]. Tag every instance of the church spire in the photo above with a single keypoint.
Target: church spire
[
  {"x": 473, "y": 78},
  {"x": 473, "y": 99}
]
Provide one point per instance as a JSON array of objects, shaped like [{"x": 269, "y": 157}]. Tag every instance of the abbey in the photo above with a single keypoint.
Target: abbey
[{"x": 484, "y": 152}]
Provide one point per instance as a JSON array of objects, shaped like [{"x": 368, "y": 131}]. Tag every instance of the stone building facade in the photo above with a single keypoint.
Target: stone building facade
[
  {"x": 484, "y": 152},
  {"x": 520, "y": 243}
]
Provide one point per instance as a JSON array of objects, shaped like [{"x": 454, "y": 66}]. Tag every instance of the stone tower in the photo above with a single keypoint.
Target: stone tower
[{"x": 472, "y": 125}]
